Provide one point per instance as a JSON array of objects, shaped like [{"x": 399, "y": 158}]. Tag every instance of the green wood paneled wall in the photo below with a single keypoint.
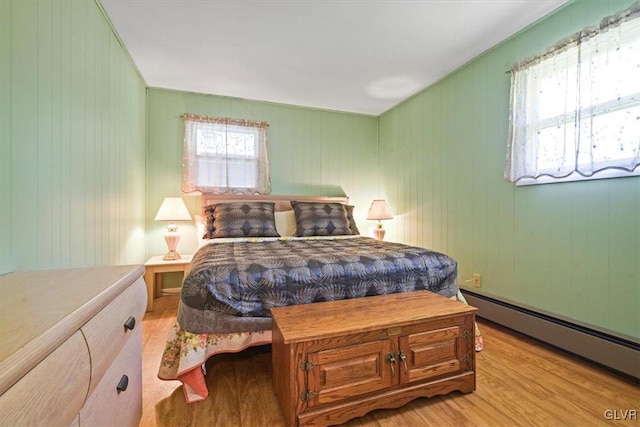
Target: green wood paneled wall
[
  {"x": 6, "y": 262},
  {"x": 72, "y": 166},
  {"x": 73, "y": 139},
  {"x": 570, "y": 249},
  {"x": 310, "y": 152}
]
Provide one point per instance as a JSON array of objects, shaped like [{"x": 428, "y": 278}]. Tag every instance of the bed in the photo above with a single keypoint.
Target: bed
[{"x": 260, "y": 252}]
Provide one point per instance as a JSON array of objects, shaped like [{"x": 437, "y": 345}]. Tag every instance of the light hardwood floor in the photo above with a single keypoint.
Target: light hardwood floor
[{"x": 520, "y": 382}]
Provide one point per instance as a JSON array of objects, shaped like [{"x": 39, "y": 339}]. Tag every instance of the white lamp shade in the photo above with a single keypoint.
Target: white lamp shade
[
  {"x": 173, "y": 209},
  {"x": 379, "y": 210}
]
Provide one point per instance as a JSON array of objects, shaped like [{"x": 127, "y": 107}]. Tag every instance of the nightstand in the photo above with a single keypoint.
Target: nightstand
[{"x": 157, "y": 265}]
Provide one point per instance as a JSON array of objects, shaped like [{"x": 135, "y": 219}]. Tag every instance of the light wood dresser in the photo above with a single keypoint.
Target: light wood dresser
[
  {"x": 334, "y": 361},
  {"x": 71, "y": 347}
]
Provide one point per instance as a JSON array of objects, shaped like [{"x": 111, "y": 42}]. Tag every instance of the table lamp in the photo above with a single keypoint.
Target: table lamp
[
  {"x": 172, "y": 209},
  {"x": 379, "y": 210}
]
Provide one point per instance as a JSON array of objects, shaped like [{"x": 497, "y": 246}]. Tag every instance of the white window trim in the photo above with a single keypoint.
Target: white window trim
[{"x": 604, "y": 174}]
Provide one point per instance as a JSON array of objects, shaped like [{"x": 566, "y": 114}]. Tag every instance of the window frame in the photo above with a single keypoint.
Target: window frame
[
  {"x": 525, "y": 155},
  {"x": 210, "y": 168}
]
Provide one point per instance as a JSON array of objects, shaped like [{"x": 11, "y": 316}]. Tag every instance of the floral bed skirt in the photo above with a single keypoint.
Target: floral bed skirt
[{"x": 185, "y": 354}]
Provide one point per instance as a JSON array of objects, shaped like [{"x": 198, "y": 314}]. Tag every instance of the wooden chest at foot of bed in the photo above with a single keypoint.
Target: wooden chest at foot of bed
[{"x": 334, "y": 361}]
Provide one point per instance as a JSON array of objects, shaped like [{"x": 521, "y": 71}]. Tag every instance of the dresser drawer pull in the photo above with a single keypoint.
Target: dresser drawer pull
[
  {"x": 123, "y": 384},
  {"x": 130, "y": 323}
]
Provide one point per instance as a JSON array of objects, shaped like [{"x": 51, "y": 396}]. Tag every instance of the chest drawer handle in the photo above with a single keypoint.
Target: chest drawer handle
[
  {"x": 130, "y": 323},
  {"x": 122, "y": 384}
]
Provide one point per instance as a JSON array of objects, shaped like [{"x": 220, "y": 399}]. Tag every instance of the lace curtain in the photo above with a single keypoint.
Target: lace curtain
[
  {"x": 223, "y": 155},
  {"x": 575, "y": 109}
]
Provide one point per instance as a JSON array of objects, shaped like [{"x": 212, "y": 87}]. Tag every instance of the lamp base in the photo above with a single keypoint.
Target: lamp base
[
  {"x": 379, "y": 232},
  {"x": 172, "y": 238},
  {"x": 172, "y": 256}
]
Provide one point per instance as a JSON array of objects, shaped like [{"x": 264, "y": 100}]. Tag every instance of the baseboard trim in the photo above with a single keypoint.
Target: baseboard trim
[{"x": 613, "y": 352}]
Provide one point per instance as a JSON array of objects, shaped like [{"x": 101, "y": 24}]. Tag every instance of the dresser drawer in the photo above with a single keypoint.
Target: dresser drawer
[
  {"x": 106, "y": 406},
  {"x": 106, "y": 332},
  {"x": 53, "y": 392}
]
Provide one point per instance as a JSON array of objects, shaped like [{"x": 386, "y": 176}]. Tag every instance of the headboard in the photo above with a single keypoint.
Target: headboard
[{"x": 283, "y": 202}]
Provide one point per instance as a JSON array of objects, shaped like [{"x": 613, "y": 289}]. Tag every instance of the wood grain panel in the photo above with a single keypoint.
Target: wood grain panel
[
  {"x": 106, "y": 406},
  {"x": 30, "y": 332},
  {"x": 58, "y": 399},
  {"x": 567, "y": 249},
  {"x": 330, "y": 317},
  {"x": 105, "y": 332},
  {"x": 349, "y": 371}
]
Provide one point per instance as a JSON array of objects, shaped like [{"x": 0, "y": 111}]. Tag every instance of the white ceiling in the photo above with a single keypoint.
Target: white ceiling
[{"x": 347, "y": 55}]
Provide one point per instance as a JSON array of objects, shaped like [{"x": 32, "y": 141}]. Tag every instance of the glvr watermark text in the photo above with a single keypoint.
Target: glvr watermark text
[{"x": 621, "y": 414}]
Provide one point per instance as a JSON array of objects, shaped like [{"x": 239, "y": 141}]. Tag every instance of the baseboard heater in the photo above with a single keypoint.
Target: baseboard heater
[{"x": 613, "y": 352}]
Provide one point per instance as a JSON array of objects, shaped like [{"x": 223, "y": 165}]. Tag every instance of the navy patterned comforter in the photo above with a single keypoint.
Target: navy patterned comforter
[{"x": 245, "y": 279}]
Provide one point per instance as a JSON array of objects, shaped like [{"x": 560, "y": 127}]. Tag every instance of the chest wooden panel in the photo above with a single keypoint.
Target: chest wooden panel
[{"x": 338, "y": 360}]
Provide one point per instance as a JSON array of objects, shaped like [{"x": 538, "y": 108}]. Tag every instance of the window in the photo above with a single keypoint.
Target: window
[
  {"x": 224, "y": 155},
  {"x": 575, "y": 109}
]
